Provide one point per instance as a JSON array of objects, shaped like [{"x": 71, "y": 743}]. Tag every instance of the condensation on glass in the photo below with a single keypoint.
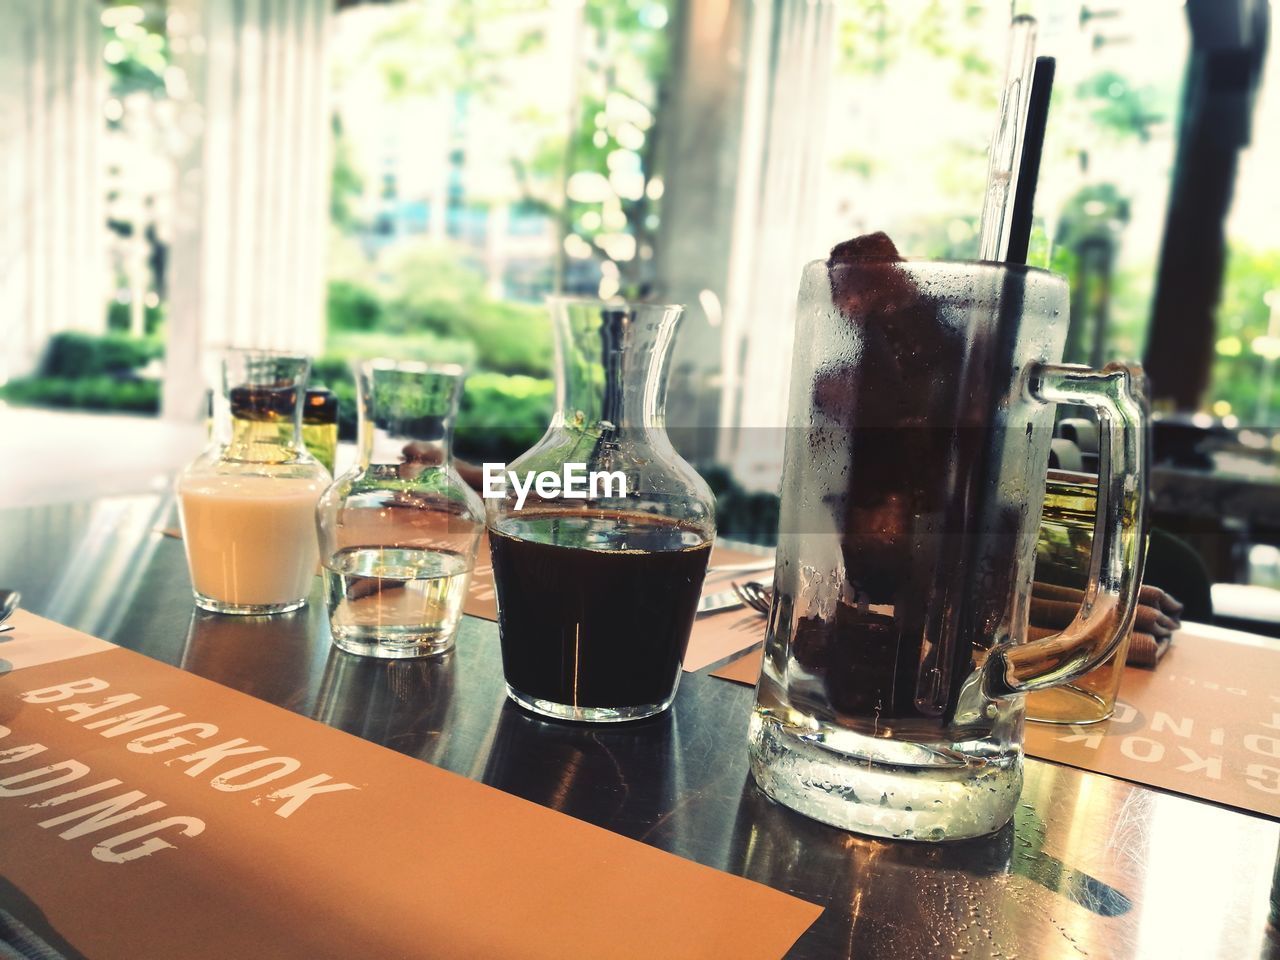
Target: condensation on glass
[{"x": 921, "y": 407}]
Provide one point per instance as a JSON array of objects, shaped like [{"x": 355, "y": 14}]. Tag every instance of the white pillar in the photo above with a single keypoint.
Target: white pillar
[
  {"x": 791, "y": 56},
  {"x": 251, "y": 209},
  {"x": 699, "y": 133},
  {"x": 52, "y": 262}
]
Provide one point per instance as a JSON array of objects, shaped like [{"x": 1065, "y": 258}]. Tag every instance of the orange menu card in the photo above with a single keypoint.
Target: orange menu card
[
  {"x": 147, "y": 812},
  {"x": 1205, "y": 723}
]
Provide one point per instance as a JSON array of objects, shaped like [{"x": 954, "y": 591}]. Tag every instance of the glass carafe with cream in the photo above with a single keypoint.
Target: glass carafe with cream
[{"x": 247, "y": 504}]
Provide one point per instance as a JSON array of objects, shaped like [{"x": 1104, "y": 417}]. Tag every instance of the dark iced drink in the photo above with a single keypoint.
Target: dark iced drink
[{"x": 928, "y": 541}]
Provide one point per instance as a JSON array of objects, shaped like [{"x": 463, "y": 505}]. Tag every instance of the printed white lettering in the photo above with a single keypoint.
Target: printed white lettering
[
  {"x": 1256, "y": 776},
  {"x": 547, "y": 484},
  {"x": 1125, "y": 713},
  {"x": 1262, "y": 745},
  {"x": 614, "y": 484},
  {"x": 1152, "y": 750},
  {"x": 299, "y": 793},
  {"x": 62, "y": 798},
  {"x": 64, "y": 691},
  {"x": 1211, "y": 766},
  {"x": 145, "y": 744},
  {"x": 1091, "y": 739},
  {"x": 131, "y": 722},
  {"x": 63, "y": 772},
  {"x": 283, "y": 767},
  {"x": 202, "y": 760},
  {"x": 14, "y": 754},
  {"x": 1162, "y": 721},
  {"x": 575, "y": 481},
  {"x": 108, "y": 850},
  {"x": 103, "y": 814},
  {"x": 493, "y": 480},
  {"x": 78, "y": 711},
  {"x": 521, "y": 491}
]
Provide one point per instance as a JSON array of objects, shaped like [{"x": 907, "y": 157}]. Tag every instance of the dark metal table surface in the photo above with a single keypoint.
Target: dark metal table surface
[{"x": 1091, "y": 866}]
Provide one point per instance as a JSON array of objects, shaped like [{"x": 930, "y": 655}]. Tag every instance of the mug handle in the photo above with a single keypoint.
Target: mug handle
[{"x": 1115, "y": 565}]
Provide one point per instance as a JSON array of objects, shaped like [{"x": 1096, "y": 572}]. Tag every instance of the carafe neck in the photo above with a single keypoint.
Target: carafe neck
[
  {"x": 259, "y": 412},
  {"x": 407, "y": 412},
  {"x": 611, "y": 365},
  {"x": 382, "y": 447}
]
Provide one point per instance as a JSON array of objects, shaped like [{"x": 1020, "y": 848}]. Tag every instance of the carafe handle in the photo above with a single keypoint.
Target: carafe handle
[{"x": 1115, "y": 566}]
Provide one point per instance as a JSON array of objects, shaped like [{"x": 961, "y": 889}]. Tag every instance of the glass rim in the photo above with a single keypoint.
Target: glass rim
[
  {"x": 227, "y": 351},
  {"x": 971, "y": 266},
  {"x": 552, "y": 299},
  {"x": 383, "y": 364}
]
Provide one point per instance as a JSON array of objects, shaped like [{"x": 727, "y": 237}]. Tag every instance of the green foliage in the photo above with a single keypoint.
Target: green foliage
[
  {"x": 138, "y": 53},
  {"x": 873, "y": 40},
  {"x": 90, "y": 372},
  {"x": 1243, "y": 316},
  {"x": 616, "y": 137},
  {"x": 154, "y": 318},
  {"x": 870, "y": 41},
  {"x": 942, "y": 239},
  {"x": 499, "y": 417},
  {"x": 119, "y": 317},
  {"x": 471, "y": 50},
  {"x": 73, "y": 354},
  {"x": 345, "y": 182},
  {"x": 434, "y": 307},
  {"x": 450, "y": 45},
  {"x": 426, "y": 303},
  {"x": 1121, "y": 110},
  {"x": 749, "y": 517},
  {"x": 353, "y": 306},
  {"x": 98, "y": 392}
]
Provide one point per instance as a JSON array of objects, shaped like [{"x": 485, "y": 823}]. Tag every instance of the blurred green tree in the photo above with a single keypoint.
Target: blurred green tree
[
  {"x": 592, "y": 171},
  {"x": 1250, "y": 289}
]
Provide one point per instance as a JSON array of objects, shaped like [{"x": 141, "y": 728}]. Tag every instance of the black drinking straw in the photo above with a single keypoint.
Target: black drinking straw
[
  {"x": 1011, "y": 303},
  {"x": 1024, "y": 195}
]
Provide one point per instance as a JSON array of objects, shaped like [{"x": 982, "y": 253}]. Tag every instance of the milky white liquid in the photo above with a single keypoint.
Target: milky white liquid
[{"x": 251, "y": 540}]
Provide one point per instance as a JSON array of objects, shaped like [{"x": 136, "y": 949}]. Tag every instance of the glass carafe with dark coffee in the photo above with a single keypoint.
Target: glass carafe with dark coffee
[{"x": 600, "y": 543}]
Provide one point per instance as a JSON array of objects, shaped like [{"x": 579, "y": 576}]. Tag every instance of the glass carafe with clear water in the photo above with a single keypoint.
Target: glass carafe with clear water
[
  {"x": 890, "y": 700},
  {"x": 599, "y": 565},
  {"x": 400, "y": 530},
  {"x": 247, "y": 503}
]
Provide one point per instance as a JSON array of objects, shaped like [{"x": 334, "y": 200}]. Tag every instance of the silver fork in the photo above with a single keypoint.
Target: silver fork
[
  {"x": 755, "y": 595},
  {"x": 9, "y": 600}
]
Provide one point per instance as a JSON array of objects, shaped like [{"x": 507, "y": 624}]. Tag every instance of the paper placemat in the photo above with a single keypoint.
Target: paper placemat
[
  {"x": 744, "y": 669},
  {"x": 719, "y": 635},
  {"x": 1205, "y": 723},
  {"x": 147, "y": 812}
]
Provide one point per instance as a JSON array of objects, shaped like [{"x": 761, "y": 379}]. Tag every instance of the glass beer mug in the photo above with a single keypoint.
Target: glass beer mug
[{"x": 891, "y": 700}]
